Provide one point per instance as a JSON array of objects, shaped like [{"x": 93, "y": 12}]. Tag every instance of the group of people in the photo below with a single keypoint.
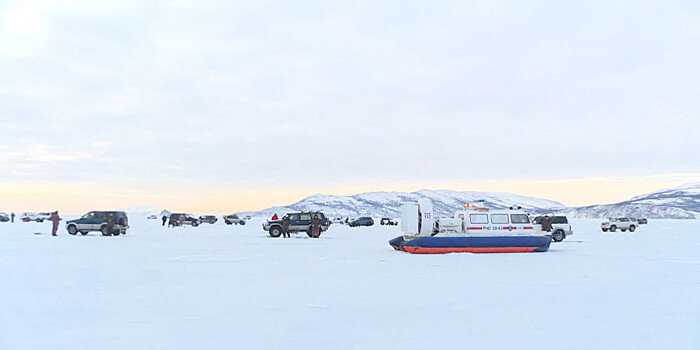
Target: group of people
[{"x": 315, "y": 226}]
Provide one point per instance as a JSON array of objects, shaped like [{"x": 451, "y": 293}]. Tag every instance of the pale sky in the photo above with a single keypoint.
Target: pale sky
[{"x": 238, "y": 105}]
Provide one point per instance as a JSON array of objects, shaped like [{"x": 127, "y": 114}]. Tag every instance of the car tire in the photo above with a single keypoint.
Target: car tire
[
  {"x": 558, "y": 236},
  {"x": 275, "y": 231},
  {"x": 613, "y": 228},
  {"x": 83, "y": 233},
  {"x": 604, "y": 229},
  {"x": 242, "y": 223},
  {"x": 115, "y": 232},
  {"x": 632, "y": 228},
  {"x": 194, "y": 224},
  {"x": 72, "y": 230},
  {"x": 104, "y": 231}
]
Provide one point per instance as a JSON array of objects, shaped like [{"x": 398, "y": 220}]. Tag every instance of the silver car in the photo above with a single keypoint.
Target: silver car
[{"x": 623, "y": 223}]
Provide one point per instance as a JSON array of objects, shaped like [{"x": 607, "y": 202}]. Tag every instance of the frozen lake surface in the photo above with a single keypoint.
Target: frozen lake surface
[{"x": 234, "y": 287}]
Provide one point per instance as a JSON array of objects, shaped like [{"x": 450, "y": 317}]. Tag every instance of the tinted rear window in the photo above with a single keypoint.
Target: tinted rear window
[{"x": 560, "y": 220}]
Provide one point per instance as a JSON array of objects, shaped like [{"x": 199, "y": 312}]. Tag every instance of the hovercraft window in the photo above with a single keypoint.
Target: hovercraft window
[
  {"x": 479, "y": 218},
  {"x": 499, "y": 218},
  {"x": 519, "y": 219}
]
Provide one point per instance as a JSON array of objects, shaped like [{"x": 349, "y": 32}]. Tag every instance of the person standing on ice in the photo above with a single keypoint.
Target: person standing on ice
[
  {"x": 55, "y": 219},
  {"x": 285, "y": 226},
  {"x": 181, "y": 220},
  {"x": 110, "y": 223},
  {"x": 165, "y": 218},
  {"x": 315, "y": 227},
  {"x": 546, "y": 224},
  {"x": 274, "y": 217},
  {"x": 12, "y": 216}
]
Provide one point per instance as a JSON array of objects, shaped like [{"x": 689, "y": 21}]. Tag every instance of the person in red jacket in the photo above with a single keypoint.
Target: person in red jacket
[
  {"x": 274, "y": 217},
  {"x": 55, "y": 219}
]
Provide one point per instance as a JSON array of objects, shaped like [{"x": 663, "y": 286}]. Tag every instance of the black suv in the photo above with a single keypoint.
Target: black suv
[
  {"x": 363, "y": 221},
  {"x": 297, "y": 222},
  {"x": 388, "y": 222},
  {"x": 188, "y": 220},
  {"x": 97, "y": 221},
  {"x": 209, "y": 219}
]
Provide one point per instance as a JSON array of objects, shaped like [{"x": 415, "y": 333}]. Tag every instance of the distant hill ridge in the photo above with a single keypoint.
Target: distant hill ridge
[{"x": 677, "y": 203}]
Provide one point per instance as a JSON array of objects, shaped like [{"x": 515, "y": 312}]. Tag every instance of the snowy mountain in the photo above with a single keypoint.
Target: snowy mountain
[
  {"x": 142, "y": 209},
  {"x": 388, "y": 204},
  {"x": 677, "y": 203}
]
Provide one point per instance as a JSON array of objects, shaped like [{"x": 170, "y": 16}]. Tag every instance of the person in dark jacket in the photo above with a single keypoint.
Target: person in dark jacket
[
  {"x": 165, "y": 218},
  {"x": 285, "y": 226},
  {"x": 54, "y": 218},
  {"x": 110, "y": 223},
  {"x": 546, "y": 224},
  {"x": 315, "y": 227},
  {"x": 12, "y": 216}
]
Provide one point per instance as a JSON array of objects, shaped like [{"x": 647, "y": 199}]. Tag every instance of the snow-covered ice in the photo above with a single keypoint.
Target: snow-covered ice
[{"x": 234, "y": 287}]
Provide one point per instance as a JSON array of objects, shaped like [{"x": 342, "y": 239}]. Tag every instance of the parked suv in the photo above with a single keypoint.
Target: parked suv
[
  {"x": 560, "y": 226},
  {"x": 363, "y": 221},
  {"x": 97, "y": 221},
  {"x": 189, "y": 219},
  {"x": 340, "y": 221},
  {"x": 297, "y": 222},
  {"x": 388, "y": 222},
  {"x": 624, "y": 224},
  {"x": 38, "y": 217},
  {"x": 4, "y": 217},
  {"x": 233, "y": 219},
  {"x": 209, "y": 219}
]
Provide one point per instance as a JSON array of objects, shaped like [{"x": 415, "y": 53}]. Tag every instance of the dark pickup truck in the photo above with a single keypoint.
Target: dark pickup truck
[{"x": 297, "y": 222}]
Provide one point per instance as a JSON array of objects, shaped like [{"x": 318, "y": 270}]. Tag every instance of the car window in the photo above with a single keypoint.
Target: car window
[
  {"x": 305, "y": 217},
  {"x": 499, "y": 218},
  {"x": 520, "y": 219},
  {"x": 294, "y": 217},
  {"x": 88, "y": 215},
  {"x": 559, "y": 220},
  {"x": 478, "y": 218}
]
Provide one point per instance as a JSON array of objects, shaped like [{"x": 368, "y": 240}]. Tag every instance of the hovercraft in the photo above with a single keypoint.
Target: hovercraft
[{"x": 475, "y": 229}]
